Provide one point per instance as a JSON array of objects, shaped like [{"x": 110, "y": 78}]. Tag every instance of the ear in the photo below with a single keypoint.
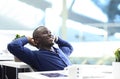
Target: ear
[{"x": 36, "y": 41}]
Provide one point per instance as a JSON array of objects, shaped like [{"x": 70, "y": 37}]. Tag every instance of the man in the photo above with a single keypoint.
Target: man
[{"x": 47, "y": 57}]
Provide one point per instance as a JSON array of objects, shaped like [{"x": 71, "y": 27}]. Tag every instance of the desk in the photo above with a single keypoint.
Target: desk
[
  {"x": 106, "y": 74},
  {"x": 6, "y": 57},
  {"x": 37, "y": 75},
  {"x": 13, "y": 64}
]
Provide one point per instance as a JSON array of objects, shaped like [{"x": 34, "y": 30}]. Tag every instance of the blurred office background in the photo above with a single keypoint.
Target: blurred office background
[{"x": 91, "y": 26}]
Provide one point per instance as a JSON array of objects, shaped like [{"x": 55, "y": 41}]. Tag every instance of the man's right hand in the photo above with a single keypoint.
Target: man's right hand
[{"x": 31, "y": 41}]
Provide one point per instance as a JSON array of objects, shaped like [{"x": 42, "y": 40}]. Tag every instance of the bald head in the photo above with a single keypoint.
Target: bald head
[{"x": 37, "y": 30}]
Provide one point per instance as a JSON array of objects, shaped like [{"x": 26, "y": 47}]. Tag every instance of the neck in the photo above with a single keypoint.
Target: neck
[{"x": 47, "y": 48}]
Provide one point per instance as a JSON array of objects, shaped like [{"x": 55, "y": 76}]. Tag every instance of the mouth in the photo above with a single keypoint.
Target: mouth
[{"x": 51, "y": 38}]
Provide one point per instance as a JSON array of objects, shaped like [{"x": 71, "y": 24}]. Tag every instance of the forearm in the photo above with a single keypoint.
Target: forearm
[
  {"x": 20, "y": 41},
  {"x": 17, "y": 45},
  {"x": 63, "y": 43},
  {"x": 64, "y": 46}
]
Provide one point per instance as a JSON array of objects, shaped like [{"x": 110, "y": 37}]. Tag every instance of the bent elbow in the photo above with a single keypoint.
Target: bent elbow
[{"x": 10, "y": 48}]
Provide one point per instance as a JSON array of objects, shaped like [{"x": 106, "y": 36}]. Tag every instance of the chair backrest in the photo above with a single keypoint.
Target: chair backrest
[{"x": 32, "y": 69}]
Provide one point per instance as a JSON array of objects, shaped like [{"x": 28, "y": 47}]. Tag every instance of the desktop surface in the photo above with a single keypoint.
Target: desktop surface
[{"x": 63, "y": 74}]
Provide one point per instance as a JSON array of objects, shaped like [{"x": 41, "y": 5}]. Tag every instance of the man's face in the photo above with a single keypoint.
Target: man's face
[{"x": 45, "y": 37}]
